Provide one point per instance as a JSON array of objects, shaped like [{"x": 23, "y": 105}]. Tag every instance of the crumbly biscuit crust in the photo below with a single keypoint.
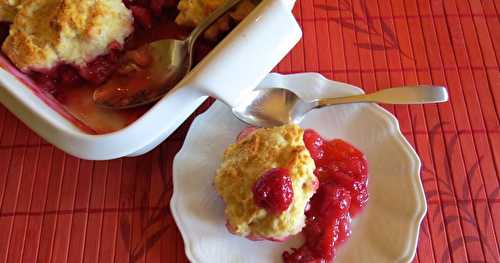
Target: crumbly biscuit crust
[{"x": 8, "y": 9}]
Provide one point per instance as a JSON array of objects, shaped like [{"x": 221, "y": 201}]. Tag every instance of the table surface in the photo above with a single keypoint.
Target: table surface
[{"x": 56, "y": 208}]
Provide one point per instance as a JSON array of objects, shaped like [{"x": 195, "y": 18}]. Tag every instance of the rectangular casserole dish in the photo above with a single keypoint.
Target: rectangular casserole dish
[{"x": 237, "y": 64}]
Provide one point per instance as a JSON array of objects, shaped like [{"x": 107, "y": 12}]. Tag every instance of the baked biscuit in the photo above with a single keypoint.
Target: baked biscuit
[
  {"x": 192, "y": 12},
  {"x": 47, "y": 32},
  {"x": 8, "y": 10},
  {"x": 245, "y": 161}
]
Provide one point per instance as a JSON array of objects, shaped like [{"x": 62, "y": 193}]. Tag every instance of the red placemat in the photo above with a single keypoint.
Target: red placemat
[{"x": 56, "y": 208}]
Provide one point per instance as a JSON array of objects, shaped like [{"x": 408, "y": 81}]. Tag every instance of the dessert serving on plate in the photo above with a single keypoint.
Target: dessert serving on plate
[
  {"x": 383, "y": 229},
  {"x": 269, "y": 178},
  {"x": 68, "y": 48}
]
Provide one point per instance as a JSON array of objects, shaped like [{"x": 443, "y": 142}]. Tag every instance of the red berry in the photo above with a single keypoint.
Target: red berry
[
  {"x": 69, "y": 75},
  {"x": 142, "y": 15},
  {"x": 44, "y": 81},
  {"x": 273, "y": 191},
  {"x": 340, "y": 150},
  {"x": 100, "y": 69},
  {"x": 344, "y": 165},
  {"x": 314, "y": 143}
]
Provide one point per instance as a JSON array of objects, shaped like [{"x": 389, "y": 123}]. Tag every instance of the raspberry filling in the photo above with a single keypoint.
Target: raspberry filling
[
  {"x": 273, "y": 191},
  {"x": 95, "y": 72},
  {"x": 342, "y": 171},
  {"x": 328, "y": 224},
  {"x": 343, "y": 165}
]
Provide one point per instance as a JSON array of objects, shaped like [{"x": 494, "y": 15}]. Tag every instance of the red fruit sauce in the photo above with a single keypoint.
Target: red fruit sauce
[
  {"x": 342, "y": 171},
  {"x": 68, "y": 89},
  {"x": 273, "y": 191}
]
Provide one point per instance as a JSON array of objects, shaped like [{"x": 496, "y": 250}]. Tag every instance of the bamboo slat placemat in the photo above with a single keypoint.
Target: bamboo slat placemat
[{"x": 56, "y": 208}]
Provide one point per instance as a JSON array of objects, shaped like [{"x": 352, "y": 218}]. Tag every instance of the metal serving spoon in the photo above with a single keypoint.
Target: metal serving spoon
[
  {"x": 167, "y": 62},
  {"x": 277, "y": 106}
]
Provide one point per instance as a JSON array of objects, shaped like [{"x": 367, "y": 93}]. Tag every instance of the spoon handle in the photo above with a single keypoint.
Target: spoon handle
[
  {"x": 421, "y": 94},
  {"x": 210, "y": 19}
]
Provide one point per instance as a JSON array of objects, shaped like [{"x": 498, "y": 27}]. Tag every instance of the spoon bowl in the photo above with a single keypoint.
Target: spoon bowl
[
  {"x": 271, "y": 107},
  {"x": 154, "y": 68}
]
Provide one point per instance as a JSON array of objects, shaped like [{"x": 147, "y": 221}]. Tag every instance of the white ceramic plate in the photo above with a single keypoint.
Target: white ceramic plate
[{"x": 386, "y": 231}]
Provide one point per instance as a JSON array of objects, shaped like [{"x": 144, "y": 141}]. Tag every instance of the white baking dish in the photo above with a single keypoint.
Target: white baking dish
[{"x": 238, "y": 63}]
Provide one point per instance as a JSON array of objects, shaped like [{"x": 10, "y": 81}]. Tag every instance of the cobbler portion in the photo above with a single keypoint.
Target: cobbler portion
[
  {"x": 261, "y": 183},
  {"x": 69, "y": 47},
  {"x": 47, "y": 32},
  {"x": 266, "y": 180}
]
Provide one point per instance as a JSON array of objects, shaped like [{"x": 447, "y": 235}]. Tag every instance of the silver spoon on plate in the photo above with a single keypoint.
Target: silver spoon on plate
[
  {"x": 269, "y": 107},
  {"x": 167, "y": 61}
]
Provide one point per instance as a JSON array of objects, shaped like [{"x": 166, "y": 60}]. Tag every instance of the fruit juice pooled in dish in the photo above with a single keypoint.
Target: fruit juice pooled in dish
[
  {"x": 64, "y": 49},
  {"x": 280, "y": 181}
]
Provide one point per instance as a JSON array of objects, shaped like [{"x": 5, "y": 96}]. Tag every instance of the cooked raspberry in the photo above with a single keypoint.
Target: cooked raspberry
[
  {"x": 339, "y": 150},
  {"x": 101, "y": 68},
  {"x": 69, "y": 75},
  {"x": 273, "y": 191},
  {"x": 328, "y": 225},
  {"x": 44, "y": 81},
  {"x": 345, "y": 166},
  {"x": 142, "y": 15},
  {"x": 314, "y": 144}
]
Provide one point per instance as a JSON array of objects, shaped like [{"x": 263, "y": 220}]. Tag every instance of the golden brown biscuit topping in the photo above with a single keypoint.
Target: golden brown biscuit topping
[
  {"x": 192, "y": 12},
  {"x": 246, "y": 161},
  {"x": 8, "y": 9},
  {"x": 47, "y": 32}
]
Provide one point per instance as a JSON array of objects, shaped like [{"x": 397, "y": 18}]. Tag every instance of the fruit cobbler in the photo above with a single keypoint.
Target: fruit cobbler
[
  {"x": 70, "y": 47},
  {"x": 280, "y": 181},
  {"x": 266, "y": 181}
]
